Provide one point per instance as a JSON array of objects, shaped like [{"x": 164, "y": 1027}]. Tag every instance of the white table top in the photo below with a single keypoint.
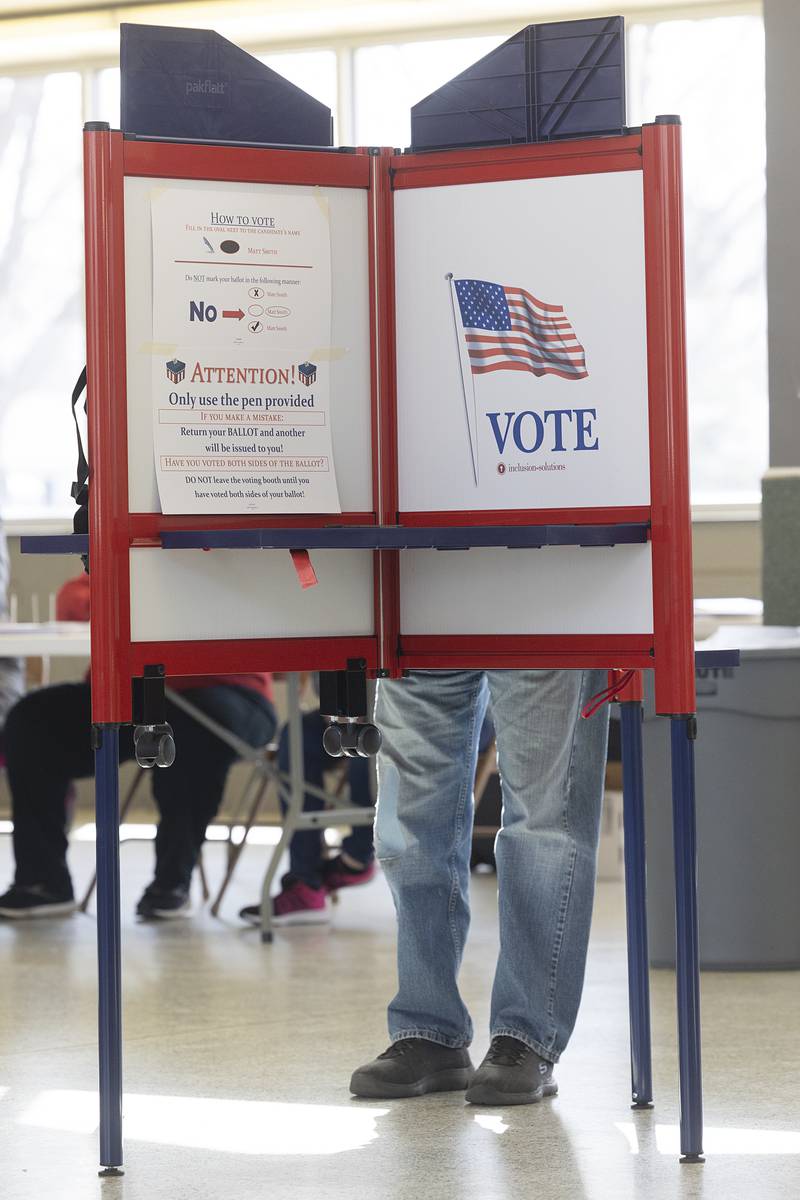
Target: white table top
[
  {"x": 47, "y": 639},
  {"x": 756, "y": 641}
]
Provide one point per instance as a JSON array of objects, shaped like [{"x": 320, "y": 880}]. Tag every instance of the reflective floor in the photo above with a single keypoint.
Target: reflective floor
[{"x": 237, "y": 1058}]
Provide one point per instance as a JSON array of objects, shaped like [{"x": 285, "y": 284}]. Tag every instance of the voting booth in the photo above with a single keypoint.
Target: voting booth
[
  {"x": 539, "y": 426},
  {"x": 366, "y": 412}
]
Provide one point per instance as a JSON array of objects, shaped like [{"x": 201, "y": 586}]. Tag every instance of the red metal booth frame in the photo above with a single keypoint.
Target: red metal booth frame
[{"x": 113, "y": 530}]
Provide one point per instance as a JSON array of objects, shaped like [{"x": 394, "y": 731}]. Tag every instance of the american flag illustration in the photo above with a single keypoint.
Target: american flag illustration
[{"x": 508, "y": 329}]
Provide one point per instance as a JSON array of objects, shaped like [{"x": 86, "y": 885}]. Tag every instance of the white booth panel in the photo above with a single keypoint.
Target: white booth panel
[
  {"x": 555, "y": 590},
  {"x": 188, "y": 595},
  {"x": 351, "y": 428},
  {"x": 466, "y": 440}
]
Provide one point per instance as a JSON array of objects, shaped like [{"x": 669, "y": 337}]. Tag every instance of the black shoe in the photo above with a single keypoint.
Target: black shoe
[
  {"x": 412, "y": 1067},
  {"x": 511, "y": 1073},
  {"x": 21, "y": 902},
  {"x": 164, "y": 903}
]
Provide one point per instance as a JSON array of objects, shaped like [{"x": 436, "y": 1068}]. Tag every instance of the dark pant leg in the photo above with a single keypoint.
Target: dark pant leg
[
  {"x": 359, "y": 844},
  {"x": 188, "y": 794},
  {"x": 47, "y": 743},
  {"x": 306, "y": 847}
]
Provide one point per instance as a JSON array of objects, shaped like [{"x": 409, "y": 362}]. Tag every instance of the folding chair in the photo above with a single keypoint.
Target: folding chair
[
  {"x": 294, "y": 788},
  {"x": 130, "y": 795}
]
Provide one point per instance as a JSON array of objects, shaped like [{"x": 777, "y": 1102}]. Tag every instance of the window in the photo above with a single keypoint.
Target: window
[
  {"x": 41, "y": 302},
  {"x": 106, "y": 97},
  {"x": 711, "y": 72},
  {"x": 390, "y": 79},
  {"x": 313, "y": 70}
]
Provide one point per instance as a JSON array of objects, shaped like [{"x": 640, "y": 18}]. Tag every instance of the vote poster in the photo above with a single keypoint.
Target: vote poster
[
  {"x": 241, "y": 381},
  {"x": 522, "y": 344}
]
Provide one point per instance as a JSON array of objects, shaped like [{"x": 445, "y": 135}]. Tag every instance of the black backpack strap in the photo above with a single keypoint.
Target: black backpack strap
[{"x": 80, "y": 488}]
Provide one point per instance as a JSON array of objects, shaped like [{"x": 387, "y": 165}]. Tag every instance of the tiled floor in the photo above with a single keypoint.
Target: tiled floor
[{"x": 237, "y": 1060}]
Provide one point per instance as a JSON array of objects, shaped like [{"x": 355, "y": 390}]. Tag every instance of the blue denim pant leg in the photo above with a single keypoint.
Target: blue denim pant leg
[
  {"x": 551, "y": 767},
  {"x": 430, "y": 724}
]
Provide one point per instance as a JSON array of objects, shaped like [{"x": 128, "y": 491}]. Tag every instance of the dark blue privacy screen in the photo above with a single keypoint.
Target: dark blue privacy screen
[
  {"x": 192, "y": 83},
  {"x": 563, "y": 79}
]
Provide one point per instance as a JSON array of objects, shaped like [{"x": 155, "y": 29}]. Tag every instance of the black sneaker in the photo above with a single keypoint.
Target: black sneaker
[
  {"x": 511, "y": 1073},
  {"x": 164, "y": 903},
  {"x": 412, "y": 1067},
  {"x": 21, "y": 902}
]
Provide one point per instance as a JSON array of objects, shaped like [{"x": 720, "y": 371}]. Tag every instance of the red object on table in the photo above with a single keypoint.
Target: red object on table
[{"x": 72, "y": 604}]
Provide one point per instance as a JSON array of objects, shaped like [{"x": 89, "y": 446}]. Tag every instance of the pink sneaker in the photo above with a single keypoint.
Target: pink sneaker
[
  {"x": 337, "y": 874},
  {"x": 295, "y": 904}
]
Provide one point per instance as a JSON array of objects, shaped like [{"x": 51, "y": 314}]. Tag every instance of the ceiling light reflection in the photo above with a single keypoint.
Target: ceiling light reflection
[
  {"x": 493, "y": 1124},
  {"x": 130, "y": 831},
  {"x": 717, "y": 1140},
  {"x": 628, "y": 1131},
  {"x": 732, "y": 1141},
  {"x": 256, "y": 1127}
]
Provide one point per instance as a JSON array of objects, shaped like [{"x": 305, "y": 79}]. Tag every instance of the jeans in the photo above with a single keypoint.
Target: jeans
[
  {"x": 306, "y": 847},
  {"x": 551, "y": 767},
  {"x": 47, "y": 744}
]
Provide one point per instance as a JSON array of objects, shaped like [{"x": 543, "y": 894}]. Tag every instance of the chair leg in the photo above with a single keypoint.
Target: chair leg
[
  {"x": 203, "y": 881},
  {"x": 241, "y": 806},
  {"x": 123, "y": 812},
  {"x": 256, "y": 785},
  {"x": 266, "y": 887},
  {"x": 235, "y": 851}
]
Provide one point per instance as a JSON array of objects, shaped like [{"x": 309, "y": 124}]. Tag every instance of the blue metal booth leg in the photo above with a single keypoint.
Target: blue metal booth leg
[
  {"x": 684, "y": 732},
  {"x": 109, "y": 962},
  {"x": 636, "y": 904}
]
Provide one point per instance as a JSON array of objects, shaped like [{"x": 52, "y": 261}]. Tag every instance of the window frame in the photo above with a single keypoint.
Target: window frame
[{"x": 345, "y": 50}]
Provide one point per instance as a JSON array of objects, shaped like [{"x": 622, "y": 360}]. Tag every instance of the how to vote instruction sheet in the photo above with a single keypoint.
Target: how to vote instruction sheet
[{"x": 241, "y": 382}]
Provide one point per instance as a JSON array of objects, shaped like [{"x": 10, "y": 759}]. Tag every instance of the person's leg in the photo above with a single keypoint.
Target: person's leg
[
  {"x": 306, "y": 846},
  {"x": 551, "y": 765},
  {"x": 430, "y": 723},
  {"x": 355, "y": 863},
  {"x": 188, "y": 793},
  {"x": 302, "y": 899},
  {"x": 358, "y": 848},
  {"x": 423, "y": 831},
  {"x": 47, "y": 744}
]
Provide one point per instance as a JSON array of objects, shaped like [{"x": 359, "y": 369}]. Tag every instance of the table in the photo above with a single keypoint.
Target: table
[{"x": 48, "y": 639}]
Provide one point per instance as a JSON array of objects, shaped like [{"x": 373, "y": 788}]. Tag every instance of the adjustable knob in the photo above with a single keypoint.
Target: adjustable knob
[
  {"x": 154, "y": 745},
  {"x": 370, "y": 739},
  {"x": 332, "y": 741}
]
